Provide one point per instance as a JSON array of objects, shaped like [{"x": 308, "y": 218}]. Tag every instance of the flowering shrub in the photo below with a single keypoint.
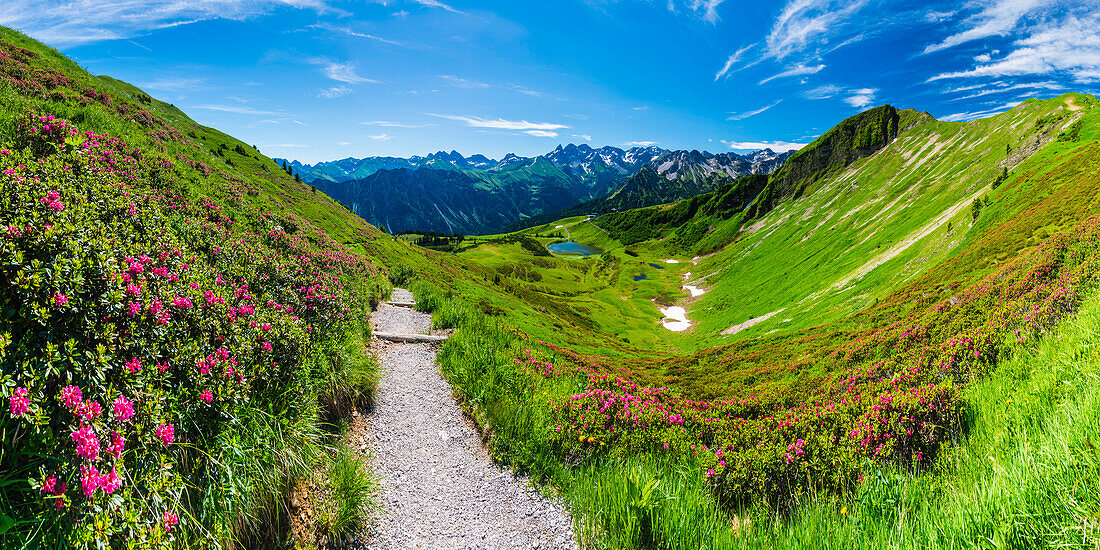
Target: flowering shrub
[
  {"x": 138, "y": 326},
  {"x": 889, "y": 393}
]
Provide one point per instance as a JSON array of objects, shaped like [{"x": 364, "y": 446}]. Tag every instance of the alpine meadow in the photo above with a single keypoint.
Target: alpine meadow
[{"x": 869, "y": 319}]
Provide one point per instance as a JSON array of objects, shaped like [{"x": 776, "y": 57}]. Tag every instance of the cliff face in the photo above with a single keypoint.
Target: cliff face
[{"x": 854, "y": 138}]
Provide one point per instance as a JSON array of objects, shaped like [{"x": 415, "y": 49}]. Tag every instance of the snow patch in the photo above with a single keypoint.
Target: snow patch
[{"x": 675, "y": 318}]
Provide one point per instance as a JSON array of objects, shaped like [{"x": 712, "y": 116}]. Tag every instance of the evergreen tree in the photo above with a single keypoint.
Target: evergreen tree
[{"x": 298, "y": 178}]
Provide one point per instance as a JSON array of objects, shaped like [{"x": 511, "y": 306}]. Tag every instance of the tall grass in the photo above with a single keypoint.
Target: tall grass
[
  {"x": 352, "y": 497},
  {"x": 1023, "y": 475}
]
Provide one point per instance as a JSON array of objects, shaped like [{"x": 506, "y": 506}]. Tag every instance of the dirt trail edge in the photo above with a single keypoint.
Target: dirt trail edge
[{"x": 440, "y": 489}]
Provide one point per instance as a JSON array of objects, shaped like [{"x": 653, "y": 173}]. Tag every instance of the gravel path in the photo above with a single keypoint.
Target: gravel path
[{"x": 440, "y": 488}]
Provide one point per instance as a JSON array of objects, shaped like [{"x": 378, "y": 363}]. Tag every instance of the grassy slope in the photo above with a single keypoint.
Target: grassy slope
[{"x": 254, "y": 193}]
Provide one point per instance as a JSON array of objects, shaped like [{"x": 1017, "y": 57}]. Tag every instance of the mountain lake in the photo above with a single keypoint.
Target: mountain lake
[{"x": 575, "y": 248}]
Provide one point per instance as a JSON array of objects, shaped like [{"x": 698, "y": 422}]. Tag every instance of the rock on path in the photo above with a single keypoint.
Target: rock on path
[{"x": 440, "y": 489}]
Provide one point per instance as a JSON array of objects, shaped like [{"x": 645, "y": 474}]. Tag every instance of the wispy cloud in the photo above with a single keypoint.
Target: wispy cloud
[
  {"x": 797, "y": 70},
  {"x": 502, "y": 124},
  {"x": 72, "y": 22},
  {"x": 381, "y": 137},
  {"x": 174, "y": 84},
  {"x": 861, "y": 97},
  {"x": 805, "y": 24},
  {"x": 389, "y": 124},
  {"x": 641, "y": 108},
  {"x": 997, "y": 18},
  {"x": 351, "y": 32},
  {"x": 238, "y": 109},
  {"x": 1070, "y": 46},
  {"x": 334, "y": 92},
  {"x": 585, "y": 137},
  {"x": 707, "y": 9},
  {"x": 1001, "y": 88},
  {"x": 733, "y": 58},
  {"x": 781, "y": 146},
  {"x": 541, "y": 133},
  {"x": 747, "y": 114},
  {"x": 968, "y": 116},
  {"x": 639, "y": 143},
  {"x": 438, "y": 4},
  {"x": 823, "y": 92},
  {"x": 466, "y": 83},
  {"x": 342, "y": 72}
]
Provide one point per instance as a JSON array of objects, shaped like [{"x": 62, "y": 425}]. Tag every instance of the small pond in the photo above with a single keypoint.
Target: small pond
[
  {"x": 657, "y": 266},
  {"x": 639, "y": 277},
  {"x": 575, "y": 248}
]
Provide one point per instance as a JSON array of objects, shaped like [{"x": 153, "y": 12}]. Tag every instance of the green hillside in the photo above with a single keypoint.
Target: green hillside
[{"x": 846, "y": 333}]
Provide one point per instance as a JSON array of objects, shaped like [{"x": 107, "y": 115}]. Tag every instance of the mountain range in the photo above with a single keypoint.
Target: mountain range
[{"x": 452, "y": 193}]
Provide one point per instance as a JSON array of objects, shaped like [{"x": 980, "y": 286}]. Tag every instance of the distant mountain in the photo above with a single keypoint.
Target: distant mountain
[
  {"x": 454, "y": 200},
  {"x": 489, "y": 195}
]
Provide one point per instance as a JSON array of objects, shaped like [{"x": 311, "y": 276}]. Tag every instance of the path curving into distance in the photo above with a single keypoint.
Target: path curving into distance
[{"x": 440, "y": 489}]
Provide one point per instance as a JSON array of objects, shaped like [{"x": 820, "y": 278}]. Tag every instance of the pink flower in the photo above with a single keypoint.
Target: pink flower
[
  {"x": 110, "y": 482},
  {"x": 89, "y": 480},
  {"x": 166, "y": 433},
  {"x": 87, "y": 444},
  {"x": 266, "y": 346},
  {"x": 207, "y": 396},
  {"x": 118, "y": 444},
  {"x": 162, "y": 367},
  {"x": 710, "y": 472},
  {"x": 72, "y": 397},
  {"x": 170, "y": 520},
  {"x": 89, "y": 410},
  {"x": 133, "y": 309},
  {"x": 124, "y": 408},
  {"x": 19, "y": 402},
  {"x": 133, "y": 365},
  {"x": 60, "y": 299}
]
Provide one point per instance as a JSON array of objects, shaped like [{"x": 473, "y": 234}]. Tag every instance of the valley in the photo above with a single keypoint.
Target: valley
[{"x": 883, "y": 338}]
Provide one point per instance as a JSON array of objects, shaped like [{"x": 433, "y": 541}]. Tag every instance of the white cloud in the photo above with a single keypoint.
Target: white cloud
[
  {"x": 173, "y": 84},
  {"x": 541, "y": 133},
  {"x": 747, "y": 114},
  {"x": 381, "y": 137},
  {"x": 806, "y": 23},
  {"x": 1000, "y": 88},
  {"x": 938, "y": 16},
  {"x": 238, "y": 109},
  {"x": 733, "y": 58},
  {"x": 334, "y": 92},
  {"x": 823, "y": 92},
  {"x": 780, "y": 146},
  {"x": 438, "y": 4},
  {"x": 997, "y": 18},
  {"x": 71, "y": 22},
  {"x": 709, "y": 9},
  {"x": 796, "y": 70},
  {"x": 861, "y": 97},
  {"x": 957, "y": 117},
  {"x": 341, "y": 72},
  {"x": 641, "y": 108},
  {"x": 639, "y": 143},
  {"x": 1070, "y": 46},
  {"x": 389, "y": 124},
  {"x": 585, "y": 137},
  {"x": 501, "y": 124},
  {"x": 350, "y": 32},
  {"x": 344, "y": 143},
  {"x": 463, "y": 82}
]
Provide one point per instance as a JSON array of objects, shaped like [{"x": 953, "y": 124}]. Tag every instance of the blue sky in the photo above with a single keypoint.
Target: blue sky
[{"x": 325, "y": 79}]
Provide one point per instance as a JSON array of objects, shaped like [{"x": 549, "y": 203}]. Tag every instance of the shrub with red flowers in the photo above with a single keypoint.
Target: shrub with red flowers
[{"x": 142, "y": 328}]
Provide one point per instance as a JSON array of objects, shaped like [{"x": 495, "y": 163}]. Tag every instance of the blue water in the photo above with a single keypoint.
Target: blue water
[
  {"x": 657, "y": 266},
  {"x": 639, "y": 277},
  {"x": 572, "y": 247}
]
